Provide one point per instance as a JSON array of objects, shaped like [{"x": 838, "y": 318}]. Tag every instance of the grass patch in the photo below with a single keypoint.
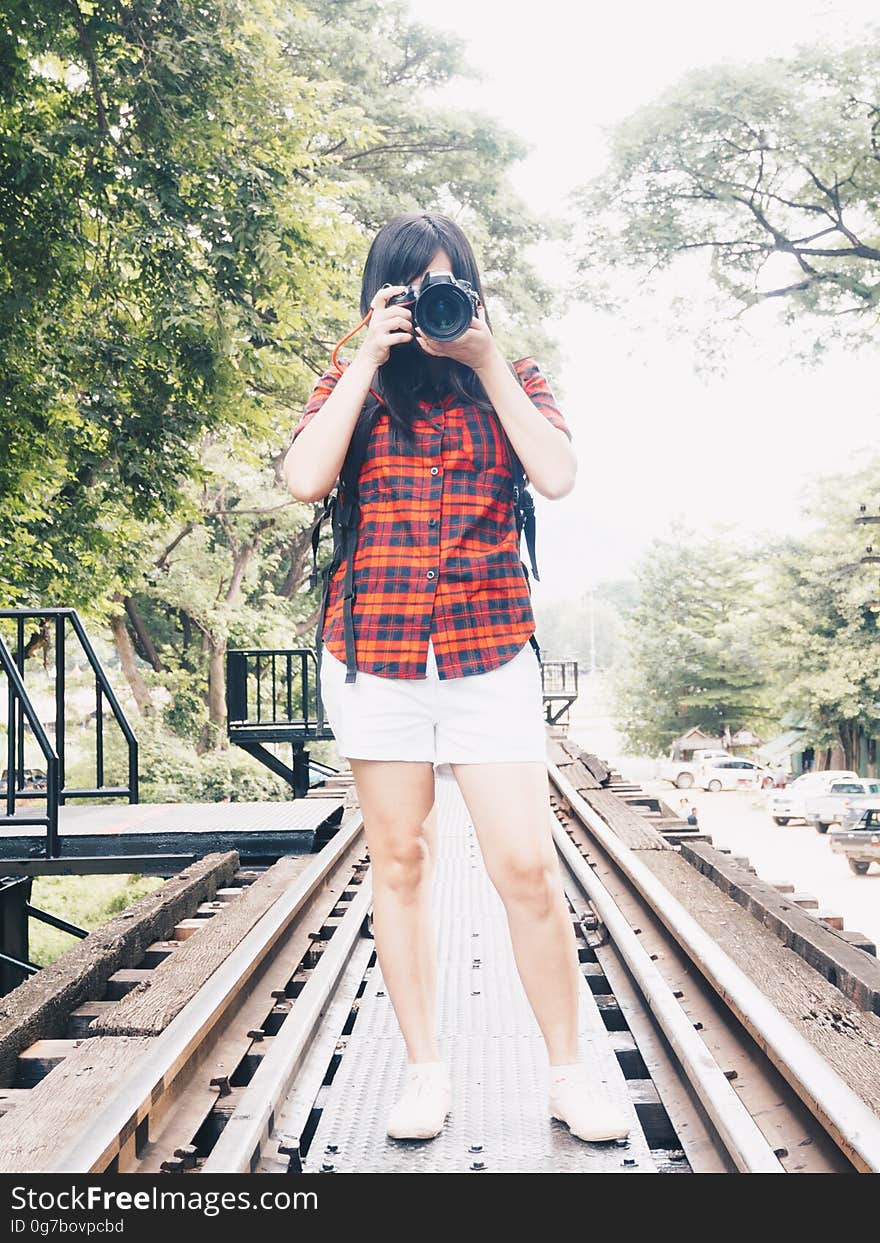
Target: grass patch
[{"x": 87, "y": 901}]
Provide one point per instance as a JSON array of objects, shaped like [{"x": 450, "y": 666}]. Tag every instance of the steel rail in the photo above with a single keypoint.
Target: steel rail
[
  {"x": 171, "y": 1051},
  {"x": 742, "y": 1138},
  {"x": 239, "y": 1147},
  {"x": 850, "y": 1122}
]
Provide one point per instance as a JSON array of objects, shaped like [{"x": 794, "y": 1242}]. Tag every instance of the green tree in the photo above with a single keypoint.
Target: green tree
[
  {"x": 166, "y": 246},
  {"x": 428, "y": 154},
  {"x": 771, "y": 173},
  {"x": 690, "y": 643},
  {"x": 566, "y": 630},
  {"x": 820, "y": 636}
]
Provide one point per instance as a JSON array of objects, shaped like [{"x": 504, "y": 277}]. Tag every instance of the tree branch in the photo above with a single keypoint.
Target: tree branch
[{"x": 88, "y": 53}]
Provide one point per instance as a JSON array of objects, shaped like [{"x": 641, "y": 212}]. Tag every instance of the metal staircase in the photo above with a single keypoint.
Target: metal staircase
[{"x": 272, "y": 696}]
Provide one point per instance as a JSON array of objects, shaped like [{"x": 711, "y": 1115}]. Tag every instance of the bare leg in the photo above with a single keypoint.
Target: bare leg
[
  {"x": 509, "y": 806},
  {"x": 397, "y": 801}
]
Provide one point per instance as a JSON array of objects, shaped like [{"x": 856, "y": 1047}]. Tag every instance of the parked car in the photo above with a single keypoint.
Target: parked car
[
  {"x": 34, "y": 775},
  {"x": 733, "y": 774},
  {"x": 789, "y": 804},
  {"x": 684, "y": 773},
  {"x": 859, "y": 842},
  {"x": 827, "y": 807}
]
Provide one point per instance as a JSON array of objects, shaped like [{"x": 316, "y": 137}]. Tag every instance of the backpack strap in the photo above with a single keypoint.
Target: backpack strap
[
  {"x": 524, "y": 512},
  {"x": 348, "y": 513},
  {"x": 523, "y": 501}
]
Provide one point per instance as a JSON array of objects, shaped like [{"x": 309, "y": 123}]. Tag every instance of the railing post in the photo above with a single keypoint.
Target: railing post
[
  {"x": 59, "y": 701},
  {"x": 10, "y": 749},
  {"x": 236, "y": 686},
  {"x": 19, "y": 721},
  {"x": 133, "y": 780},
  {"x": 53, "y": 789}
]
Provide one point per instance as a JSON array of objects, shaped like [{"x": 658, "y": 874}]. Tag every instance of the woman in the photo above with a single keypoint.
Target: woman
[{"x": 445, "y": 672}]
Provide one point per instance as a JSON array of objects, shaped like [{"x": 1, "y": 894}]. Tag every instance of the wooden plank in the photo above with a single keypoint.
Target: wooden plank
[
  {"x": 630, "y": 827},
  {"x": 39, "y": 1007},
  {"x": 10, "y": 1098},
  {"x": 62, "y": 1104},
  {"x": 848, "y": 1037},
  {"x": 35, "y": 1062},
  {"x": 860, "y": 941},
  {"x": 187, "y": 928},
  {"x": 598, "y": 769},
  {"x": 77, "y": 1024},
  {"x": 122, "y": 982},
  {"x": 854, "y": 972},
  {"x": 150, "y": 1007},
  {"x": 563, "y": 754}
]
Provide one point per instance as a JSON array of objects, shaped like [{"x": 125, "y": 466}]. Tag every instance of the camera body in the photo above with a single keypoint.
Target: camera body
[{"x": 442, "y": 306}]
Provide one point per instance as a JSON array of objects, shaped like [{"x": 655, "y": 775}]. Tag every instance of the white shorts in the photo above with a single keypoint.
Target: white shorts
[{"x": 483, "y": 718}]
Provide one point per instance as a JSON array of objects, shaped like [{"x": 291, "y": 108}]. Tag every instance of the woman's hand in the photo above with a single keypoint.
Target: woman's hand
[
  {"x": 475, "y": 348},
  {"x": 389, "y": 325}
]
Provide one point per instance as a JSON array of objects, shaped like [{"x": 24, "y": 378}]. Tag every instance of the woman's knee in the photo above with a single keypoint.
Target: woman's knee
[
  {"x": 528, "y": 881},
  {"x": 397, "y": 800},
  {"x": 403, "y": 862}
]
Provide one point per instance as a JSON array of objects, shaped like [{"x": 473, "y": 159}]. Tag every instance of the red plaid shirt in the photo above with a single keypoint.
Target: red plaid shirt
[{"x": 437, "y": 552}]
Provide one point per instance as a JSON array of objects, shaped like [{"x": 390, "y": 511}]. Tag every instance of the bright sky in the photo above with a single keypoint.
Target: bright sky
[{"x": 654, "y": 440}]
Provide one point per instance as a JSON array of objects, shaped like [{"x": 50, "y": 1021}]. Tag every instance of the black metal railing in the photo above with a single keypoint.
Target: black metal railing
[
  {"x": 274, "y": 686},
  {"x": 559, "y": 684},
  {"x": 273, "y": 697},
  {"x": 21, "y": 712},
  {"x": 559, "y": 677}
]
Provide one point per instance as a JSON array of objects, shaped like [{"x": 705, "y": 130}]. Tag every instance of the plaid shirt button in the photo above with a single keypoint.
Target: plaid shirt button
[{"x": 479, "y": 614}]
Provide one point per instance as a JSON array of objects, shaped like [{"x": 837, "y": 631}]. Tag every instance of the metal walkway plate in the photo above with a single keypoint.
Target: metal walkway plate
[{"x": 499, "y": 1120}]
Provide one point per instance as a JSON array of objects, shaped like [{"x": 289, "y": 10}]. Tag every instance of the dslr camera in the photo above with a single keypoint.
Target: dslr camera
[{"x": 442, "y": 306}]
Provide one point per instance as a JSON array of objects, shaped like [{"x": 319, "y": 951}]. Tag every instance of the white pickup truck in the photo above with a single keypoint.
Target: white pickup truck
[
  {"x": 790, "y": 803},
  {"x": 859, "y": 842},
  {"x": 826, "y": 807},
  {"x": 684, "y": 773}
]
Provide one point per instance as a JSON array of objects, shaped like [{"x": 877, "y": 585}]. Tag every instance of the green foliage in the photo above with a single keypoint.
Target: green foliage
[
  {"x": 165, "y": 246},
  {"x": 691, "y": 655},
  {"x": 767, "y": 176},
  {"x": 567, "y": 629},
  {"x": 820, "y": 634},
  {"x": 87, "y": 901},
  {"x": 372, "y": 55},
  {"x": 173, "y": 771}
]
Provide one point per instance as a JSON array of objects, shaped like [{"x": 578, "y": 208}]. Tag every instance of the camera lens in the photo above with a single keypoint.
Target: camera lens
[{"x": 444, "y": 312}]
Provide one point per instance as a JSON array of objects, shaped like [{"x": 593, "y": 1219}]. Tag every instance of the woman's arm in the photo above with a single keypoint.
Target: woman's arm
[
  {"x": 545, "y": 451},
  {"x": 314, "y": 458}
]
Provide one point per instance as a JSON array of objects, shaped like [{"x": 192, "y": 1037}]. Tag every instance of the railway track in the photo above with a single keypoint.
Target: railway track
[{"x": 286, "y": 1058}]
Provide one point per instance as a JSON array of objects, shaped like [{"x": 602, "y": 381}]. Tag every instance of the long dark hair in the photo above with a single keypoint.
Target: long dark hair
[{"x": 399, "y": 254}]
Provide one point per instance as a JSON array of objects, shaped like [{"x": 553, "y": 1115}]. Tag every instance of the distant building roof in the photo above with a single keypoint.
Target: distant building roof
[
  {"x": 693, "y": 738},
  {"x": 782, "y": 745}
]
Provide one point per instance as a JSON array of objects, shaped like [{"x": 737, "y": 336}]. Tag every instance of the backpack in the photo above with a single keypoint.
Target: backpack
[{"x": 341, "y": 506}]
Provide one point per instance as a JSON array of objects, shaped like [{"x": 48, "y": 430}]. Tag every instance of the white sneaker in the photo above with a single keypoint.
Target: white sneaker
[
  {"x": 590, "y": 1114},
  {"x": 427, "y": 1099}
]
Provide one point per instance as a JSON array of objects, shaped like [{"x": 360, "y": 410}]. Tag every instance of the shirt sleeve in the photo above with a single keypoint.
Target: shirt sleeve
[
  {"x": 535, "y": 384},
  {"x": 322, "y": 390}
]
